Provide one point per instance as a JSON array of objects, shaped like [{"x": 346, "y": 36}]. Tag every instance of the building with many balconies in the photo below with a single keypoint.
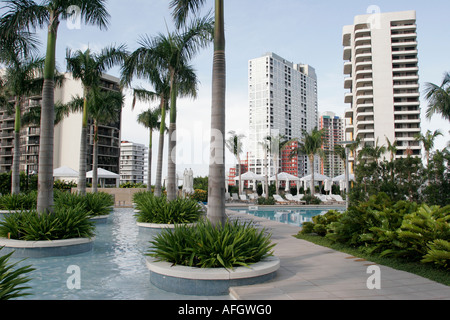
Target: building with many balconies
[{"x": 381, "y": 68}]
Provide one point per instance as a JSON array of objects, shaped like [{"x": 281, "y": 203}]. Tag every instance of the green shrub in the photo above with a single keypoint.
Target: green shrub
[
  {"x": 11, "y": 279},
  {"x": 64, "y": 223},
  {"x": 321, "y": 223},
  {"x": 199, "y": 195},
  {"x": 158, "y": 210},
  {"x": 266, "y": 202},
  {"x": 310, "y": 199},
  {"x": 206, "y": 246},
  {"x": 22, "y": 201},
  {"x": 96, "y": 204}
]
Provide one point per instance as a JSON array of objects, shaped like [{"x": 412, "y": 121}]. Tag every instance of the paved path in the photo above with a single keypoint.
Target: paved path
[{"x": 312, "y": 272}]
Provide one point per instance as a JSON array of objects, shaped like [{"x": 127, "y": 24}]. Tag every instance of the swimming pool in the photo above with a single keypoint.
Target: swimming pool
[
  {"x": 114, "y": 270},
  {"x": 290, "y": 215}
]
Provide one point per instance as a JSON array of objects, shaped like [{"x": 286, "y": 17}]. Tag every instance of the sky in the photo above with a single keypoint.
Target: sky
[{"x": 300, "y": 31}]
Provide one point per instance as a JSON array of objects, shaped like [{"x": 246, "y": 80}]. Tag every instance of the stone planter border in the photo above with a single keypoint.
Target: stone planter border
[
  {"x": 209, "y": 282},
  {"x": 43, "y": 249},
  {"x": 99, "y": 219},
  {"x": 161, "y": 226}
]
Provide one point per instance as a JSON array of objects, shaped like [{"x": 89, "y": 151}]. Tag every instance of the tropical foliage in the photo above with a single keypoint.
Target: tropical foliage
[
  {"x": 206, "y": 246},
  {"x": 12, "y": 278},
  {"x": 63, "y": 223},
  {"x": 159, "y": 210},
  {"x": 401, "y": 229},
  {"x": 21, "y": 201}
]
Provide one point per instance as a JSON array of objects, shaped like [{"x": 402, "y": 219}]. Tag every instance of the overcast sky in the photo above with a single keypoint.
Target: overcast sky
[{"x": 300, "y": 31}]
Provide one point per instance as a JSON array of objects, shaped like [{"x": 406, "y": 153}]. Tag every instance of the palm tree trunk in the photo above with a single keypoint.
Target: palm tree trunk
[
  {"x": 83, "y": 151},
  {"x": 162, "y": 131},
  {"x": 216, "y": 184},
  {"x": 240, "y": 173},
  {"x": 313, "y": 189},
  {"x": 45, "y": 174},
  {"x": 149, "y": 170},
  {"x": 15, "y": 178},
  {"x": 95, "y": 161},
  {"x": 172, "y": 152}
]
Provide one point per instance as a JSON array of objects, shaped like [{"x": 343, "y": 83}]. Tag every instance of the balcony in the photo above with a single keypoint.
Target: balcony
[
  {"x": 348, "y": 98},
  {"x": 348, "y": 113},
  {"x": 347, "y": 53},
  {"x": 348, "y": 66},
  {"x": 348, "y": 83}
]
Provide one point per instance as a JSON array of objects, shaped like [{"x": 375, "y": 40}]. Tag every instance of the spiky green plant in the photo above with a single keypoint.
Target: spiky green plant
[
  {"x": 207, "y": 246},
  {"x": 12, "y": 279}
]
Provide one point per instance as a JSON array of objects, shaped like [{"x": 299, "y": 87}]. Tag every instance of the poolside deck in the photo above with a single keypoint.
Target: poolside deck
[{"x": 312, "y": 272}]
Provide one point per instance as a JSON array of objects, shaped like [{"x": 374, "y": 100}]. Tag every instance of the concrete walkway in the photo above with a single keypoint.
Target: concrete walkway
[{"x": 312, "y": 272}]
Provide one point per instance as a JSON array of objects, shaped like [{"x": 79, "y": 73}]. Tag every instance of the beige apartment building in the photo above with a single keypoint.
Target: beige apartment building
[
  {"x": 67, "y": 134},
  {"x": 381, "y": 68}
]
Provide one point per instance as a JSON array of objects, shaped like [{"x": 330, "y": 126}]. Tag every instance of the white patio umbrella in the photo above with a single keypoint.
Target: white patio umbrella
[
  {"x": 250, "y": 176},
  {"x": 65, "y": 172},
  {"x": 351, "y": 177},
  {"x": 284, "y": 176},
  {"x": 104, "y": 174}
]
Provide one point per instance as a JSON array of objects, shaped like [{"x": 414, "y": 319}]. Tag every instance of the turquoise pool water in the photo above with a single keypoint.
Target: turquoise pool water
[
  {"x": 114, "y": 270},
  {"x": 293, "y": 216}
]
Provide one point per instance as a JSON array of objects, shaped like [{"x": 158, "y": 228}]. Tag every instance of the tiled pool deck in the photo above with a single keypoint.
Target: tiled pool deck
[{"x": 312, "y": 272}]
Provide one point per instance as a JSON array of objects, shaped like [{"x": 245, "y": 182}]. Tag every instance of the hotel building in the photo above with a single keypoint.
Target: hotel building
[
  {"x": 67, "y": 134},
  {"x": 282, "y": 101},
  {"x": 381, "y": 68},
  {"x": 332, "y": 165},
  {"x": 133, "y": 162}
]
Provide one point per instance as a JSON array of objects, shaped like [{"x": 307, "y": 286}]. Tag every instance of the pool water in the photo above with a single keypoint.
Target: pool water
[
  {"x": 292, "y": 216},
  {"x": 114, "y": 270}
]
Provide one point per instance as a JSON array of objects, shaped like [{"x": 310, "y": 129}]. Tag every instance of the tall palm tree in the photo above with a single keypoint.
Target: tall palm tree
[
  {"x": 373, "y": 153},
  {"x": 216, "y": 185},
  {"x": 140, "y": 64},
  {"x": 234, "y": 145},
  {"x": 428, "y": 141},
  {"x": 89, "y": 67},
  {"x": 391, "y": 148},
  {"x": 277, "y": 145},
  {"x": 28, "y": 15},
  {"x": 104, "y": 107},
  {"x": 23, "y": 77},
  {"x": 150, "y": 120},
  {"x": 310, "y": 145},
  {"x": 439, "y": 98},
  {"x": 171, "y": 54}
]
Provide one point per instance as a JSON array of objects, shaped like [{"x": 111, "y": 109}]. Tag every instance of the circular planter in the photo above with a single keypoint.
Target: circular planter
[
  {"x": 43, "y": 249},
  {"x": 209, "y": 281},
  {"x": 161, "y": 226},
  {"x": 100, "y": 219}
]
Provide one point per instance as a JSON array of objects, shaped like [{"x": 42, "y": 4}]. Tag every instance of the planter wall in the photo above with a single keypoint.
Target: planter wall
[
  {"x": 209, "y": 282},
  {"x": 43, "y": 249}
]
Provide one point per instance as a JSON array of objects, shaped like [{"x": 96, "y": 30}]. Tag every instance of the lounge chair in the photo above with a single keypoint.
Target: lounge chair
[
  {"x": 235, "y": 197},
  {"x": 293, "y": 199},
  {"x": 299, "y": 199},
  {"x": 279, "y": 199},
  {"x": 243, "y": 197},
  {"x": 338, "y": 198},
  {"x": 227, "y": 197}
]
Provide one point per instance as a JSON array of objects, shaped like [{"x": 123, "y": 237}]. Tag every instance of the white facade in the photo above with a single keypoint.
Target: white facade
[
  {"x": 381, "y": 65},
  {"x": 133, "y": 162},
  {"x": 282, "y": 101}
]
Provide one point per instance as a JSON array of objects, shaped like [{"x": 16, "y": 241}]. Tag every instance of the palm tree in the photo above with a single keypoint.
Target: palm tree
[
  {"x": 104, "y": 107},
  {"x": 171, "y": 54},
  {"x": 216, "y": 185},
  {"x": 140, "y": 64},
  {"x": 373, "y": 153},
  {"x": 428, "y": 141},
  {"x": 23, "y": 77},
  {"x": 234, "y": 144},
  {"x": 391, "y": 148},
  {"x": 150, "y": 120},
  {"x": 310, "y": 145},
  {"x": 265, "y": 144},
  {"x": 89, "y": 67},
  {"x": 277, "y": 144},
  {"x": 439, "y": 98},
  {"x": 28, "y": 15}
]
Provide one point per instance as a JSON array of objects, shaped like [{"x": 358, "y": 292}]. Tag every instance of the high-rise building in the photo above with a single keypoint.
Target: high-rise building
[
  {"x": 381, "y": 64},
  {"x": 67, "y": 133},
  {"x": 132, "y": 162},
  {"x": 282, "y": 102},
  {"x": 332, "y": 165}
]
